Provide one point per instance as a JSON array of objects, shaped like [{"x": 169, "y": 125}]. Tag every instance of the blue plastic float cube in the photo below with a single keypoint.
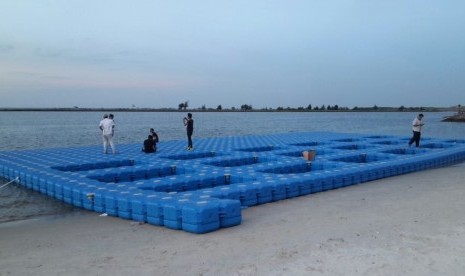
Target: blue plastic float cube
[
  {"x": 230, "y": 213},
  {"x": 201, "y": 216}
]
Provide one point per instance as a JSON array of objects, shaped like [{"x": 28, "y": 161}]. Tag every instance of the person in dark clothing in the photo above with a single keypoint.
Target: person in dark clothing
[
  {"x": 149, "y": 145},
  {"x": 154, "y": 135},
  {"x": 189, "y": 123}
]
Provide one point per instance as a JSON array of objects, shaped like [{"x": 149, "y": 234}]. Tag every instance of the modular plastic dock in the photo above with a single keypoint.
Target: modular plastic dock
[{"x": 205, "y": 189}]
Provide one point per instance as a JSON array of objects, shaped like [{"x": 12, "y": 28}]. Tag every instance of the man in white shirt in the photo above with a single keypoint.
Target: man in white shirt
[
  {"x": 106, "y": 126},
  {"x": 417, "y": 124}
]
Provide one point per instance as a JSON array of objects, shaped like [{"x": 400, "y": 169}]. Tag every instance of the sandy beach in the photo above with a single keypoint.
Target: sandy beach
[{"x": 406, "y": 225}]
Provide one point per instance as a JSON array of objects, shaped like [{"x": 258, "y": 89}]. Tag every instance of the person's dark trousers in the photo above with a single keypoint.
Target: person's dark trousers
[
  {"x": 415, "y": 138},
  {"x": 189, "y": 139}
]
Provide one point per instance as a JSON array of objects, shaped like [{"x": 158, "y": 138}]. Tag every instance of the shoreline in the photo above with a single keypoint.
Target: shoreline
[
  {"x": 408, "y": 224},
  {"x": 237, "y": 110}
]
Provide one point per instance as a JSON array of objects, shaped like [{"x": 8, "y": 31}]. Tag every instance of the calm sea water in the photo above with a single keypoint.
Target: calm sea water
[{"x": 33, "y": 130}]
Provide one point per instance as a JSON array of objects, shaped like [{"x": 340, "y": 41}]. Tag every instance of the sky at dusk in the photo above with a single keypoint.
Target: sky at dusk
[{"x": 150, "y": 53}]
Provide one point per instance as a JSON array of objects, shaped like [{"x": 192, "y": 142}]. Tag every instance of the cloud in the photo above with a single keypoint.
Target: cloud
[
  {"x": 6, "y": 48},
  {"x": 34, "y": 75},
  {"x": 22, "y": 74}
]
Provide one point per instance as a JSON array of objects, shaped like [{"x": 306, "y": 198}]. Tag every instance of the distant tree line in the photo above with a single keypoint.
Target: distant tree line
[
  {"x": 245, "y": 107},
  {"x": 309, "y": 108}
]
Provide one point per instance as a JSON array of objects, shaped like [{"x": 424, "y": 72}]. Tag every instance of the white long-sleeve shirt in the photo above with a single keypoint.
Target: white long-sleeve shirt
[
  {"x": 106, "y": 125},
  {"x": 417, "y": 124}
]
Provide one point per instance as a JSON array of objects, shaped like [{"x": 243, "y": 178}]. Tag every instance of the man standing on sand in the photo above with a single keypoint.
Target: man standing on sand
[
  {"x": 417, "y": 124},
  {"x": 106, "y": 126},
  {"x": 189, "y": 123}
]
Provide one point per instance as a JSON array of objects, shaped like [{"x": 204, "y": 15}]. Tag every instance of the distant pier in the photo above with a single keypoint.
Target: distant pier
[{"x": 459, "y": 117}]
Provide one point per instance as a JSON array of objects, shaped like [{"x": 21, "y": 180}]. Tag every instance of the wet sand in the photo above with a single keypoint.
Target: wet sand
[
  {"x": 406, "y": 225},
  {"x": 19, "y": 203}
]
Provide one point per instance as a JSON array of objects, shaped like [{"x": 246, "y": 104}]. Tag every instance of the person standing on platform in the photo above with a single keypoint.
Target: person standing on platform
[
  {"x": 189, "y": 123},
  {"x": 111, "y": 117},
  {"x": 417, "y": 124},
  {"x": 106, "y": 126}
]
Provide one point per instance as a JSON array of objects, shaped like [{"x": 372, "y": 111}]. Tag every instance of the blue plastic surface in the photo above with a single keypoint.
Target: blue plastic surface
[{"x": 205, "y": 189}]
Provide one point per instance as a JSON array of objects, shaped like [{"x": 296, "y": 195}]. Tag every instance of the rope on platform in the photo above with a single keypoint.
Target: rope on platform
[{"x": 4, "y": 185}]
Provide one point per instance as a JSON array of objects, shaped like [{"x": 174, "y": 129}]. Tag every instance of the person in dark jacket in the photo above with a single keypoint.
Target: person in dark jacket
[
  {"x": 149, "y": 145},
  {"x": 189, "y": 123},
  {"x": 154, "y": 135}
]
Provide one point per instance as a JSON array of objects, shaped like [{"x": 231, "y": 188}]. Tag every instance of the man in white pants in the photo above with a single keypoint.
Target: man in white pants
[{"x": 106, "y": 126}]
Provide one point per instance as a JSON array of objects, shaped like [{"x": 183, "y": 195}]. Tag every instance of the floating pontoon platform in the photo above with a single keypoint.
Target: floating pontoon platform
[{"x": 205, "y": 189}]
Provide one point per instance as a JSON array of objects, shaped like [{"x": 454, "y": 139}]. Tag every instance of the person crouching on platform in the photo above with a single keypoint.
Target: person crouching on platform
[{"x": 149, "y": 145}]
